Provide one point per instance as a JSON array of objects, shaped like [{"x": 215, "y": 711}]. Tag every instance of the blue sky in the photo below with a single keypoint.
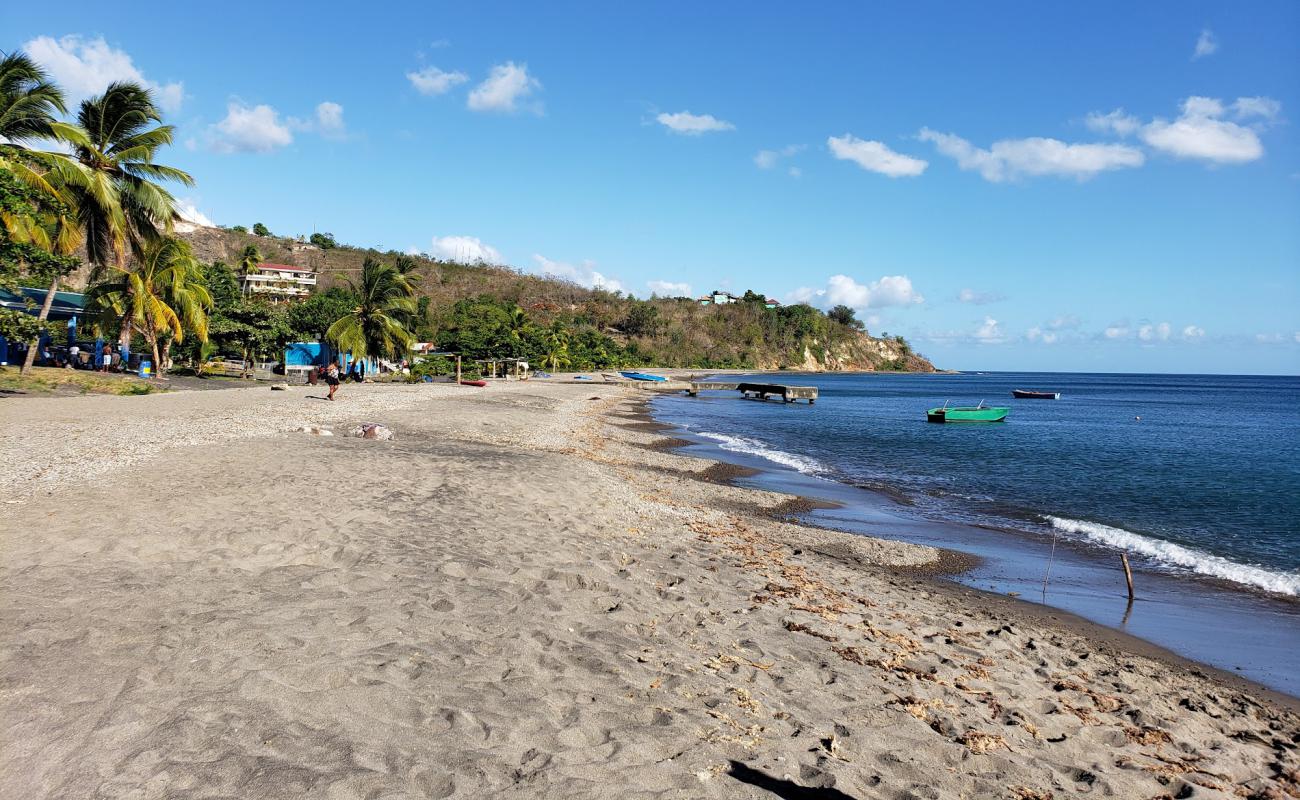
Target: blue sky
[{"x": 1011, "y": 186}]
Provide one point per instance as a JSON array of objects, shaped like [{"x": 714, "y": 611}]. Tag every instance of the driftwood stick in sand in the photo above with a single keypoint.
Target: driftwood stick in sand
[{"x": 1128, "y": 575}]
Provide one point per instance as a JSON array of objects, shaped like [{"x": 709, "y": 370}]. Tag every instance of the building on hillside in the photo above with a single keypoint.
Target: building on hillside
[
  {"x": 718, "y": 299},
  {"x": 279, "y": 282},
  {"x": 726, "y": 298}
]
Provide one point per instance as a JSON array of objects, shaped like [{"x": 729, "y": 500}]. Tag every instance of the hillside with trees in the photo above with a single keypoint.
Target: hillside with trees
[{"x": 482, "y": 311}]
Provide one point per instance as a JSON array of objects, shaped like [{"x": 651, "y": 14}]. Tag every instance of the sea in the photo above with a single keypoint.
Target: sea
[{"x": 1195, "y": 477}]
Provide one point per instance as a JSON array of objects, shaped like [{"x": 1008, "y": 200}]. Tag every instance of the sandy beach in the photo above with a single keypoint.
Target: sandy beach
[{"x": 527, "y": 593}]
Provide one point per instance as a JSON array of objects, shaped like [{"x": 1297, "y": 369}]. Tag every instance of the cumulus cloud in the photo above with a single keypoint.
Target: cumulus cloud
[
  {"x": 766, "y": 159},
  {"x": 432, "y": 81},
  {"x": 841, "y": 290},
  {"x": 1009, "y": 159},
  {"x": 875, "y": 156},
  {"x": 670, "y": 289},
  {"x": 583, "y": 274},
  {"x": 1054, "y": 330},
  {"x": 1117, "y": 122},
  {"x": 1119, "y": 330},
  {"x": 329, "y": 118},
  {"x": 250, "y": 129},
  {"x": 978, "y": 298},
  {"x": 1193, "y": 332},
  {"x": 1154, "y": 333},
  {"x": 989, "y": 332},
  {"x": 506, "y": 86},
  {"x": 685, "y": 122},
  {"x": 84, "y": 67},
  {"x": 190, "y": 213},
  {"x": 1201, "y": 132},
  {"x": 1206, "y": 44},
  {"x": 1037, "y": 334},
  {"x": 465, "y": 250},
  {"x": 1265, "y": 108},
  {"x": 327, "y": 121}
]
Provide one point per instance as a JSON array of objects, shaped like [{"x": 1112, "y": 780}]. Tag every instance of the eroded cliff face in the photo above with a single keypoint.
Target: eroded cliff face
[{"x": 862, "y": 353}]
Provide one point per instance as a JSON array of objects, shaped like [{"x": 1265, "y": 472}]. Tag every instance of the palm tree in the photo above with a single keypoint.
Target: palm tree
[
  {"x": 377, "y": 325},
  {"x": 163, "y": 296},
  {"x": 28, "y": 103},
  {"x": 248, "y": 261},
  {"x": 518, "y": 325},
  {"x": 557, "y": 348},
  {"x": 119, "y": 204}
]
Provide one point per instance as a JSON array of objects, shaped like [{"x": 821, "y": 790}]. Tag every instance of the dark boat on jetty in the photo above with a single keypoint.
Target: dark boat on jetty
[{"x": 1025, "y": 394}]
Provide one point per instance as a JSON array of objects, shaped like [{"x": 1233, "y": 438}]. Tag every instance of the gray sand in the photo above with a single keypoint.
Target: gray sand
[{"x": 517, "y": 597}]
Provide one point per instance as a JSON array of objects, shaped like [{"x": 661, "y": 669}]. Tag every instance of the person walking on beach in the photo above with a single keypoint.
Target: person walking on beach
[{"x": 332, "y": 378}]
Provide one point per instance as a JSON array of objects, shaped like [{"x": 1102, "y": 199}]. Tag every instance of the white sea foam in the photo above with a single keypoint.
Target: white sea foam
[
  {"x": 744, "y": 444},
  {"x": 1187, "y": 558}
]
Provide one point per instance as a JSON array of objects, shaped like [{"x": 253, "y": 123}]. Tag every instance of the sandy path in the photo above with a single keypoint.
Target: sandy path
[{"x": 519, "y": 597}]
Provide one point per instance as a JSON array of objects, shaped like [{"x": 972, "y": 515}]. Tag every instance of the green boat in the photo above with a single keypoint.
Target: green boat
[{"x": 979, "y": 413}]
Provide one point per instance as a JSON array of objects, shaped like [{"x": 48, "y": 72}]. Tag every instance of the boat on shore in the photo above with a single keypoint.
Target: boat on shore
[
  {"x": 479, "y": 384},
  {"x": 642, "y": 376},
  {"x": 979, "y": 413},
  {"x": 1026, "y": 394}
]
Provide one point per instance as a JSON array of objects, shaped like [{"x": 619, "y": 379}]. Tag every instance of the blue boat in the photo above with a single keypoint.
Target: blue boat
[{"x": 642, "y": 376}]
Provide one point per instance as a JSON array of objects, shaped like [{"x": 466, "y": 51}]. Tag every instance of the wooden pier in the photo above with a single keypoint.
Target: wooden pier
[{"x": 759, "y": 391}]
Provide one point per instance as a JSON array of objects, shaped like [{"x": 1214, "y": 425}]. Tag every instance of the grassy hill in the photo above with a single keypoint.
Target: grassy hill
[{"x": 663, "y": 332}]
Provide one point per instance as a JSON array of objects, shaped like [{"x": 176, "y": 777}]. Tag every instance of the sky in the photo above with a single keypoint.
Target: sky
[{"x": 1036, "y": 186}]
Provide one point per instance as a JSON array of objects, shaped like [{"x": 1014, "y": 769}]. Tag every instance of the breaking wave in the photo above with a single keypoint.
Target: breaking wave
[
  {"x": 1179, "y": 557},
  {"x": 743, "y": 444}
]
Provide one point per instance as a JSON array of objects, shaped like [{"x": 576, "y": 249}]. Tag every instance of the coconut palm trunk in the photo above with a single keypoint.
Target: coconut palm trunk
[{"x": 33, "y": 346}]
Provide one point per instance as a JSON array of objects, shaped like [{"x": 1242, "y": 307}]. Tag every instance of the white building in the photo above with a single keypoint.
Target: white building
[{"x": 279, "y": 281}]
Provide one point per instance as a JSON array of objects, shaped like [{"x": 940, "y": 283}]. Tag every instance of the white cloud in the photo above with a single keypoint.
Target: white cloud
[
  {"x": 1206, "y": 44},
  {"x": 1193, "y": 332},
  {"x": 1119, "y": 330},
  {"x": 670, "y": 289},
  {"x": 1200, "y": 132},
  {"x": 875, "y": 156},
  {"x": 889, "y": 290},
  {"x": 329, "y": 120},
  {"x": 465, "y": 250},
  {"x": 1154, "y": 333},
  {"x": 255, "y": 129},
  {"x": 978, "y": 298},
  {"x": 432, "y": 80},
  {"x": 1268, "y": 338},
  {"x": 693, "y": 124},
  {"x": 1117, "y": 122},
  {"x": 1009, "y": 159},
  {"x": 84, "y": 67},
  {"x": 1054, "y": 330},
  {"x": 506, "y": 85},
  {"x": 766, "y": 159},
  {"x": 989, "y": 332},
  {"x": 584, "y": 274},
  {"x": 795, "y": 172},
  {"x": 1264, "y": 107},
  {"x": 190, "y": 213}
]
